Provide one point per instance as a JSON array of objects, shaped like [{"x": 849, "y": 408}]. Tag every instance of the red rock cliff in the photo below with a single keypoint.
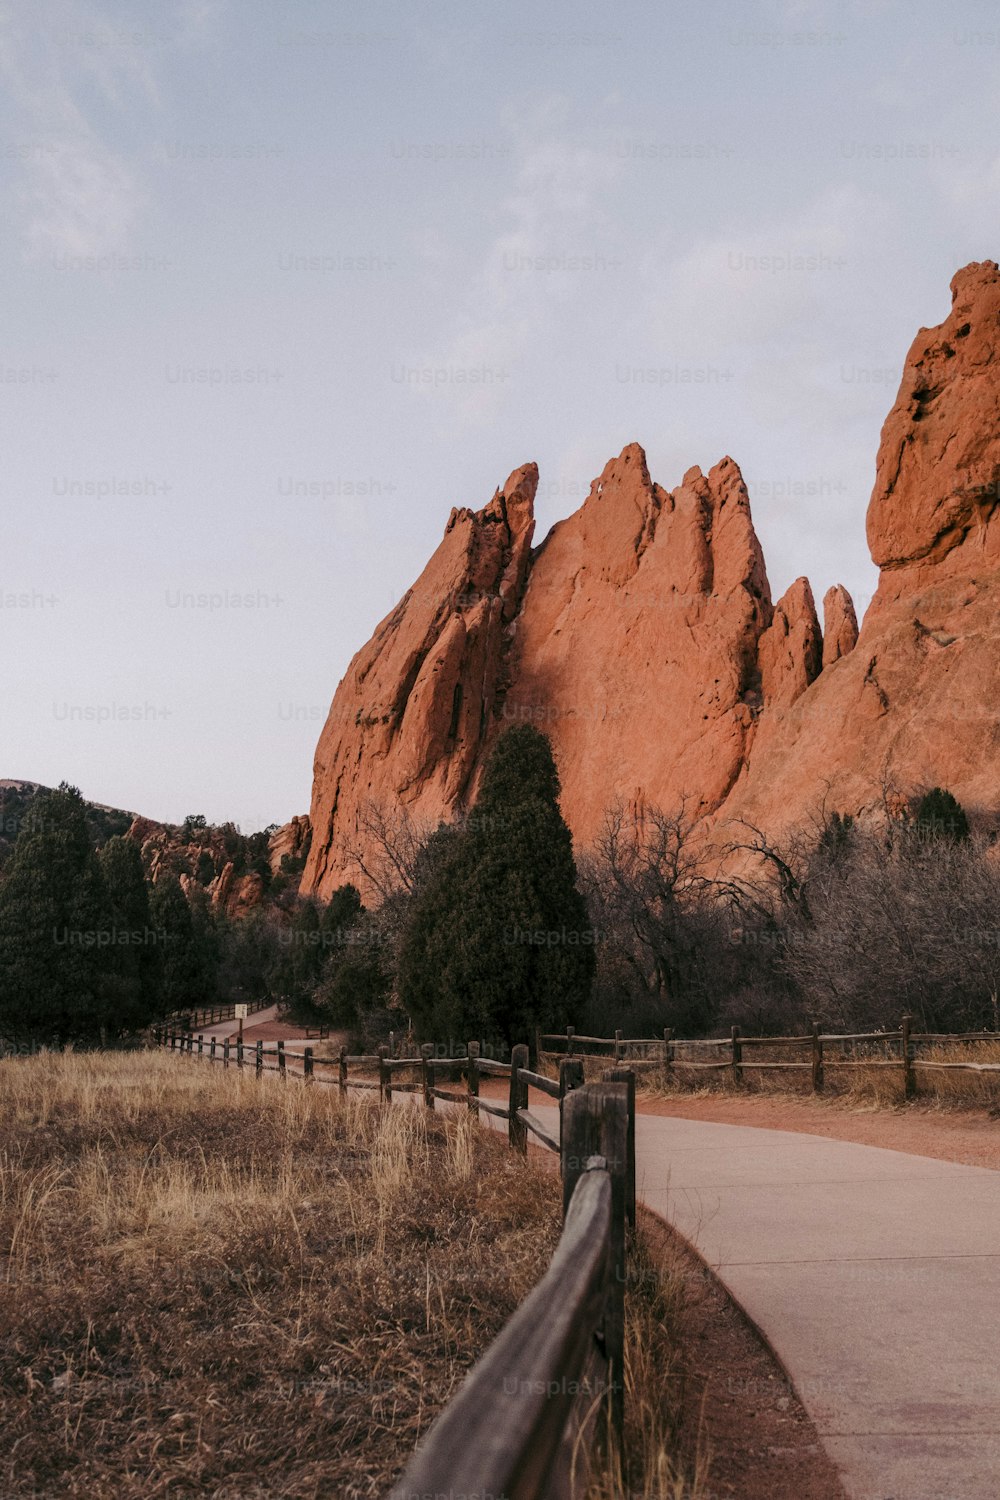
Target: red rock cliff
[{"x": 641, "y": 636}]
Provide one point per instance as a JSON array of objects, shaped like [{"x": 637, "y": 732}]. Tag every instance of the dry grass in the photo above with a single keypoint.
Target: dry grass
[
  {"x": 225, "y": 1287},
  {"x": 651, "y": 1467}
]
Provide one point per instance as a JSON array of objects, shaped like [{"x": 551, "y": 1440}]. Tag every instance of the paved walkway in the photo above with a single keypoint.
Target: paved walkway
[{"x": 874, "y": 1276}]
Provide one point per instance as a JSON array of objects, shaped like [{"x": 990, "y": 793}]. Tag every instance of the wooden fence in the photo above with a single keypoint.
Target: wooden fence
[
  {"x": 190, "y": 1020},
  {"x": 552, "y": 1381},
  {"x": 826, "y": 1050}
]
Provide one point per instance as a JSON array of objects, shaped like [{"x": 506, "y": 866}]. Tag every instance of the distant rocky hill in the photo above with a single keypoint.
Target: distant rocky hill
[
  {"x": 641, "y": 635},
  {"x": 235, "y": 869}
]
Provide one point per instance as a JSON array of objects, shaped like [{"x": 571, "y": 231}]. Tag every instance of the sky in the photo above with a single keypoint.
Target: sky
[{"x": 284, "y": 283}]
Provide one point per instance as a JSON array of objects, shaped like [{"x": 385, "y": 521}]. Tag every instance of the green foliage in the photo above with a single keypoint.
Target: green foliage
[
  {"x": 939, "y": 815},
  {"x": 497, "y": 940},
  {"x": 56, "y": 923},
  {"x": 134, "y": 958},
  {"x": 190, "y": 952}
]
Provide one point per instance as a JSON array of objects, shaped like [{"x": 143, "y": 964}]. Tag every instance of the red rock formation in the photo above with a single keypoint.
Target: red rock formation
[
  {"x": 913, "y": 705},
  {"x": 840, "y": 624},
  {"x": 411, "y": 717},
  {"x": 641, "y": 637},
  {"x": 291, "y": 840}
]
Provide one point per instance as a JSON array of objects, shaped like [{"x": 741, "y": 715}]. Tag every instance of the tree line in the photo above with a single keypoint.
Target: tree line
[{"x": 489, "y": 926}]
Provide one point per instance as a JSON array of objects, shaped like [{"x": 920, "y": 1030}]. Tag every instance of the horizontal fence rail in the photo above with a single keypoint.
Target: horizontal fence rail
[
  {"x": 191, "y": 1020},
  {"x": 826, "y": 1050}
]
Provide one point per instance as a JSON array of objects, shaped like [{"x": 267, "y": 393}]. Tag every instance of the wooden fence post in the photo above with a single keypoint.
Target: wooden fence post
[
  {"x": 342, "y": 1072},
  {"x": 570, "y": 1031},
  {"x": 225, "y": 1053},
  {"x": 473, "y": 1051},
  {"x": 281, "y": 1060},
  {"x": 570, "y": 1078},
  {"x": 427, "y": 1073},
  {"x": 596, "y": 1127},
  {"x": 307, "y": 1065},
  {"x": 667, "y": 1049},
  {"x": 817, "y": 1059},
  {"x": 211, "y": 1051},
  {"x": 538, "y": 1049},
  {"x": 259, "y": 1059},
  {"x": 737, "y": 1055},
  {"x": 517, "y": 1131},
  {"x": 627, "y": 1077},
  {"x": 201, "y": 1043},
  {"x": 239, "y": 1050},
  {"x": 392, "y": 1044},
  {"x": 619, "y": 1049},
  {"x": 384, "y": 1076},
  {"x": 909, "y": 1079}
]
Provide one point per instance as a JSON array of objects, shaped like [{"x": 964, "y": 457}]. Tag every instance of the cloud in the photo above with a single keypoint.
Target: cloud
[
  {"x": 555, "y": 239},
  {"x": 76, "y": 192}
]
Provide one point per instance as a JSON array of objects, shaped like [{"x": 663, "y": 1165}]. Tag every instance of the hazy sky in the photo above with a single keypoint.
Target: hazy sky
[{"x": 293, "y": 279}]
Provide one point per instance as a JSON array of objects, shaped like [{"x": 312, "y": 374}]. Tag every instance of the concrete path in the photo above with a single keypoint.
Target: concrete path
[{"x": 874, "y": 1276}]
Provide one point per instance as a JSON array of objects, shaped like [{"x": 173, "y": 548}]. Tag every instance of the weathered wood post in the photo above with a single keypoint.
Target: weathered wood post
[
  {"x": 259, "y": 1059},
  {"x": 427, "y": 1073},
  {"x": 281, "y": 1060},
  {"x": 384, "y": 1076},
  {"x": 392, "y": 1044},
  {"x": 211, "y": 1051},
  {"x": 595, "y": 1135},
  {"x": 473, "y": 1051},
  {"x": 239, "y": 1050},
  {"x": 627, "y": 1077},
  {"x": 517, "y": 1131},
  {"x": 570, "y": 1078},
  {"x": 201, "y": 1043},
  {"x": 737, "y": 1055},
  {"x": 906, "y": 1047},
  {"x": 342, "y": 1072},
  {"x": 817, "y": 1059},
  {"x": 225, "y": 1053},
  {"x": 307, "y": 1065},
  {"x": 619, "y": 1048},
  {"x": 570, "y": 1032},
  {"x": 668, "y": 1060}
]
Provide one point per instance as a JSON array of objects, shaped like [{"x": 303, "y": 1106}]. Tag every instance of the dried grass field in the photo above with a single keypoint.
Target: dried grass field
[{"x": 218, "y": 1286}]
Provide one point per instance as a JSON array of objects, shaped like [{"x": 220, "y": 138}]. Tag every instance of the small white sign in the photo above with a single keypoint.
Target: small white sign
[{"x": 240, "y": 1012}]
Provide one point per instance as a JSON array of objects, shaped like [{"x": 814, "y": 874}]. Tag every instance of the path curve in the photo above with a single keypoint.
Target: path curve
[{"x": 874, "y": 1276}]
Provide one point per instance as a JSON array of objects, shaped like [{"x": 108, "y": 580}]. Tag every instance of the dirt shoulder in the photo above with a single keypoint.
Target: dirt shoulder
[{"x": 968, "y": 1136}]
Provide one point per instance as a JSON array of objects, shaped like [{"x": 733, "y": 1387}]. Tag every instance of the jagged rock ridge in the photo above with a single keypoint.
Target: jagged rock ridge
[{"x": 642, "y": 637}]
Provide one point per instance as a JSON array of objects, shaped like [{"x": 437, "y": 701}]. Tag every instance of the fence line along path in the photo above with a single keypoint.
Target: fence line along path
[{"x": 526, "y": 1420}]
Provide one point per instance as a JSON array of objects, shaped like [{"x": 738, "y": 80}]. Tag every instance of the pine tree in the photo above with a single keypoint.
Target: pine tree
[
  {"x": 55, "y": 927},
  {"x": 134, "y": 955},
  {"x": 190, "y": 957},
  {"x": 940, "y": 815},
  {"x": 498, "y": 940}
]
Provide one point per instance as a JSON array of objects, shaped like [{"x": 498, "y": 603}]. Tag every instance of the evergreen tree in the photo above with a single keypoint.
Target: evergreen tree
[
  {"x": 134, "y": 956},
  {"x": 498, "y": 940},
  {"x": 55, "y": 927},
  {"x": 939, "y": 815},
  {"x": 189, "y": 956}
]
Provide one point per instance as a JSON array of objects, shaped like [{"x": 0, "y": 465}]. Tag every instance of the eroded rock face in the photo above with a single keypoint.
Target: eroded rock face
[
  {"x": 840, "y": 624},
  {"x": 291, "y": 840},
  {"x": 641, "y": 637},
  {"x": 939, "y": 459},
  {"x": 416, "y": 707},
  {"x": 914, "y": 703}
]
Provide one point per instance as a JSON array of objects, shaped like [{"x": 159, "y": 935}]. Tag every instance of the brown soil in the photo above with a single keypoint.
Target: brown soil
[{"x": 968, "y": 1136}]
